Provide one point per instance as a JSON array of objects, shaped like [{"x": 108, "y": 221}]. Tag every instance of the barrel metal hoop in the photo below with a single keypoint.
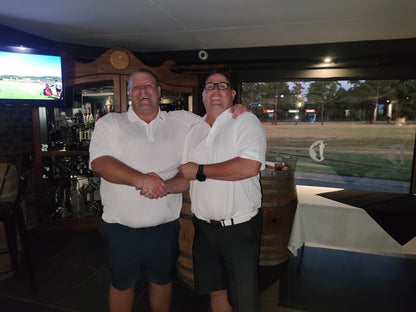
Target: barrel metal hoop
[
  {"x": 277, "y": 191},
  {"x": 185, "y": 268},
  {"x": 186, "y": 216},
  {"x": 279, "y": 173},
  {"x": 185, "y": 254},
  {"x": 293, "y": 202}
]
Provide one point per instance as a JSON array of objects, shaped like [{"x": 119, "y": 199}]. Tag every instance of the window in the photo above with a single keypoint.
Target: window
[{"x": 352, "y": 134}]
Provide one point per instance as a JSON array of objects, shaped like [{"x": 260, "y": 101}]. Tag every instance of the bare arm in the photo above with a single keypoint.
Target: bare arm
[
  {"x": 231, "y": 170},
  {"x": 177, "y": 184},
  {"x": 117, "y": 172}
]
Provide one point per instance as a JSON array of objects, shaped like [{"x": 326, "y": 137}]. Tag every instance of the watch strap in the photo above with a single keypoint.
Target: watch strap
[{"x": 200, "y": 175}]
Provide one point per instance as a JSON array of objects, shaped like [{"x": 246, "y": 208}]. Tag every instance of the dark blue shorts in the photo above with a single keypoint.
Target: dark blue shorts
[{"x": 151, "y": 252}]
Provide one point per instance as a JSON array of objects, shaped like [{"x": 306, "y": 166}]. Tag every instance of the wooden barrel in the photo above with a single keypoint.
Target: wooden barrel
[
  {"x": 278, "y": 209},
  {"x": 184, "y": 265}
]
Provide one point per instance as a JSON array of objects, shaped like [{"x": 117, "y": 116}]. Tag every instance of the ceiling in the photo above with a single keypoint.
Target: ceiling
[{"x": 176, "y": 25}]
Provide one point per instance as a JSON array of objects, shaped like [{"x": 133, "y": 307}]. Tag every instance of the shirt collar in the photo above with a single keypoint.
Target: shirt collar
[
  {"x": 224, "y": 114},
  {"x": 162, "y": 115}
]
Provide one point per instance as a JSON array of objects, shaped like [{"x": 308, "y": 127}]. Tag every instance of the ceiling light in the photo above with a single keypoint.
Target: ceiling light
[{"x": 20, "y": 49}]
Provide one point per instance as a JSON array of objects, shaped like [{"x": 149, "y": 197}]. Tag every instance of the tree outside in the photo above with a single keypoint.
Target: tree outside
[{"x": 365, "y": 100}]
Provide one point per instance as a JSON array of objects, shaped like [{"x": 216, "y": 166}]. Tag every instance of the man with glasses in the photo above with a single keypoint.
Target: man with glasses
[
  {"x": 223, "y": 158},
  {"x": 136, "y": 151}
]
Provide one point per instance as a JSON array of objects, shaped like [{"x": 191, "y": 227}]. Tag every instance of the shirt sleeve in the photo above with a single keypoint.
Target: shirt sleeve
[
  {"x": 190, "y": 119},
  {"x": 251, "y": 139},
  {"x": 196, "y": 134},
  {"x": 102, "y": 139}
]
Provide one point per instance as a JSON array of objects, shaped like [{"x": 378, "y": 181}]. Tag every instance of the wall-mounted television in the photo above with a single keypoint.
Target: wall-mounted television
[{"x": 30, "y": 79}]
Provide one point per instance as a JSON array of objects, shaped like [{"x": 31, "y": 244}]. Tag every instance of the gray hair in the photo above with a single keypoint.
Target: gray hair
[{"x": 143, "y": 70}]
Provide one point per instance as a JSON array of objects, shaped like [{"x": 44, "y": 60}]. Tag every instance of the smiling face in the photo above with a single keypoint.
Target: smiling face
[
  {"x": 144, "y": 93},
  {"x": 217, "y": 101}
]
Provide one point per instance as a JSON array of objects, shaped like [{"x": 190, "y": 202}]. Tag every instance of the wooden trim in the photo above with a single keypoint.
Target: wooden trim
[
  {"x": 123, "y": 93},
  {"x": 88, "y": 79},
  {"x": 37, "y": 163},
  {"x": 74, "y": 70},
  {"x": 116, "y": 97},
  {"x": 90, "y": 223},
  {"x": 63, "y": 153},
  {"x": 412, "y": 189}
]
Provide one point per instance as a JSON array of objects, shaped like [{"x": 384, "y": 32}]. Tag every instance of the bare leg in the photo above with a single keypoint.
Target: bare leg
[
  {"x": 219, "y": 301},
  {"x": 121, "y": 300},
  {"x": 160, "y": 297}
]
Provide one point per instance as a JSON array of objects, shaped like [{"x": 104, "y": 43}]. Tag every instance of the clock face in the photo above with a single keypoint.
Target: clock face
[{"x": 119, "y": 59}]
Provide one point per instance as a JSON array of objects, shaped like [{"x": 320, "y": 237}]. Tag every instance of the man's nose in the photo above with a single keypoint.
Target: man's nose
[{"x": 216, "y": 89}]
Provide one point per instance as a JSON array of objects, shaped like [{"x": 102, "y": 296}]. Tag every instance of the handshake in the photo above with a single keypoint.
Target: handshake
[{"x": 154, "y": 187}]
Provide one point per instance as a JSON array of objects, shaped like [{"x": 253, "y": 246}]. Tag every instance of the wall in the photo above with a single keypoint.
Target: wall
[{"x": 16, "y": 131}]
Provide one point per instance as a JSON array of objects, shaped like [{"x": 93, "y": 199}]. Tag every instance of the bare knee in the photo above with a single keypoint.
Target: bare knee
[
  {"x": 160, "y": 297},
  {"x": 219, "y": 301},
  {"x": 121, "y": 300}
]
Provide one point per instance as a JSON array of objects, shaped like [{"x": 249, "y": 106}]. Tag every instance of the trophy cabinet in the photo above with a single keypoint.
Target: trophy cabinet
[{"x": 67, "y": 190}]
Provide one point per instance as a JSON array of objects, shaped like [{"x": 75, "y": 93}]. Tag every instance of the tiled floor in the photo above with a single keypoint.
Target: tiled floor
[
  {"x": 336, "y": 280},
  {"x": 70, "y": 275}
]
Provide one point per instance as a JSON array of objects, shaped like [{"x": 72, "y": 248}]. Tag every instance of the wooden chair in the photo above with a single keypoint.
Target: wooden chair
[{"x": 11, "y": 211}]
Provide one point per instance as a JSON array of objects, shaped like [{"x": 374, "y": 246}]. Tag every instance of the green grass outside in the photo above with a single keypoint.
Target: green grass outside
[
  {"x": 382, "y": 151},
  {"x": 22, "y": 90}
]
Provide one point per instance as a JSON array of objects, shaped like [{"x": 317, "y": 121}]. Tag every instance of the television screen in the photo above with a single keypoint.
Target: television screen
[{"x": 30, "y": 78}]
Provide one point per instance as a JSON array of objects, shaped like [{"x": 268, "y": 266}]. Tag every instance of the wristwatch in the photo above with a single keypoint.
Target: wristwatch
[{"x": 200, "y": 175}]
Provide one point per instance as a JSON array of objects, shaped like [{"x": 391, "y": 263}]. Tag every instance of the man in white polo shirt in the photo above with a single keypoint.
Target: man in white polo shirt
[
  {"x": 138, "y": 150},
  {"x": 140, "y": 233},
  {"x": 224, "y": 158}
]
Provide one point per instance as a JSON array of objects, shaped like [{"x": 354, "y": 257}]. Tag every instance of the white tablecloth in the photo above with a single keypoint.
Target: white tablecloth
[{"x": 325, "y": 223}]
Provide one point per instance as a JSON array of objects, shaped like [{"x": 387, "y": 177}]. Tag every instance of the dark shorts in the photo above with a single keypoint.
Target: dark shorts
[
  {"x": 151, "y": 252},
  {"x": 227, "y": 258}
]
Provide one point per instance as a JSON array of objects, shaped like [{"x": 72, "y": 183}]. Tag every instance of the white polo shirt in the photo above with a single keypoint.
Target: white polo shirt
[
  {"x": 154, "y": 147},
  {"x": 228, "y": 138}
]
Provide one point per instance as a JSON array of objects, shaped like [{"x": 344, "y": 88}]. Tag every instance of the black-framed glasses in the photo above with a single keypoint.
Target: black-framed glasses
[{"x": 220, "y": 85}]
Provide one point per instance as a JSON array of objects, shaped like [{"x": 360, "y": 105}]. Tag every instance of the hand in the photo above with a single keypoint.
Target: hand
[
  {"x": 154, "y": 187},
  {"x": 238, "y": 109},
  {"x": 189, "y": 170}
]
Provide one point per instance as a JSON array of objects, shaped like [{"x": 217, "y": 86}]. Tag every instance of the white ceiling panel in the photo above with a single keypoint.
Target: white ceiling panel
[{"x": 165, "y": 25}]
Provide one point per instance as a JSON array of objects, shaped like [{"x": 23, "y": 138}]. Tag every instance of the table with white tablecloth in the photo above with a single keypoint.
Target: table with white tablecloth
[{"x": 325, "y": 223}]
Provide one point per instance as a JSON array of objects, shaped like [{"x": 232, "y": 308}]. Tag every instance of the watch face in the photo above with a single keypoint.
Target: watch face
[{"x": 201, "y": 177}]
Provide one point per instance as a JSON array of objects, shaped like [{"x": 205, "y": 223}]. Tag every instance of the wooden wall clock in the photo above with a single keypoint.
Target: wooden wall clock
[{"x": 119, "y": 59}]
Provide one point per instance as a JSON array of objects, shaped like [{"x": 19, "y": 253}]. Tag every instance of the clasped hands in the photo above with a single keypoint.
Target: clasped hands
[{"x": 155, "y": 187}]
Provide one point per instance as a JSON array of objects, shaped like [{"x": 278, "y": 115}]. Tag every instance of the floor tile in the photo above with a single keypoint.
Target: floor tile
[
  {"x": 71, "y": 275},
  {"x": 333, "y": 280}
]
